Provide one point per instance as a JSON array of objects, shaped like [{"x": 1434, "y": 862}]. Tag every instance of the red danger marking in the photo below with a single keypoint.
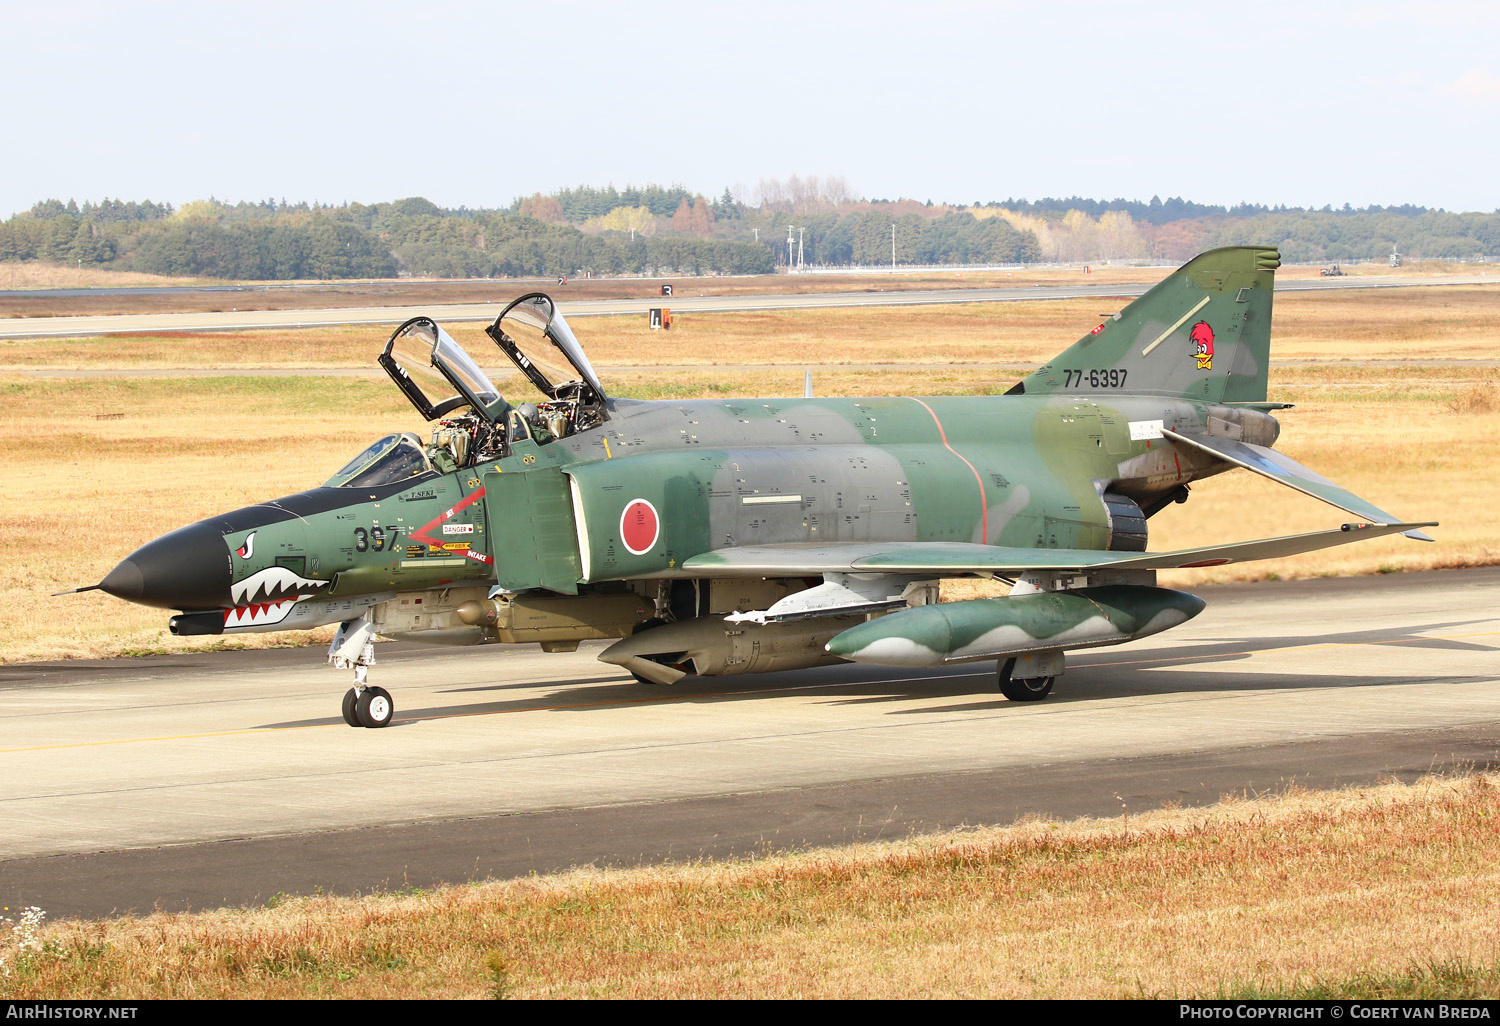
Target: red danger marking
[{"x": 639, "y": 526}]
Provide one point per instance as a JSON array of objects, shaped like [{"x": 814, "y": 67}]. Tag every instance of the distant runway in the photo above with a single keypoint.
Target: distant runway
[
  {"x": 224, "y": 778},
  {"x": 247, "y": 320}
]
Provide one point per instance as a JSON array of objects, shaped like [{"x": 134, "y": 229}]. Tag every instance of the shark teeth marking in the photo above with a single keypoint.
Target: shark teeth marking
[
  {"x": 271, "y": 585},
  {"x": 260, "y": 614}
]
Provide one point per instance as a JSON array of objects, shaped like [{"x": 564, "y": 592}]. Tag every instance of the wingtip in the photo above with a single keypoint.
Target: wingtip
[
  {"x": 1416, "y": 533},
  {"x": 1410, "y": 530}
]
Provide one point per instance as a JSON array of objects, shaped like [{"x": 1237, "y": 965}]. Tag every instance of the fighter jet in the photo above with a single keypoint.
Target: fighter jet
[{"x": 730, "y": 536}]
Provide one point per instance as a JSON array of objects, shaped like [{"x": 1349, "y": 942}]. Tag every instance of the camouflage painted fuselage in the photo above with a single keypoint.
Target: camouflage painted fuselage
[
  {"x": 737, "y": 536},
  {"x": 1025, "y": 471}
]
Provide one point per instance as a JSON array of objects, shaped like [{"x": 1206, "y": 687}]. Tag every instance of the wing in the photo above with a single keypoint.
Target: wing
[
  {"x": 1285, "y": 470},
  {"x": 941, "y": 558}
]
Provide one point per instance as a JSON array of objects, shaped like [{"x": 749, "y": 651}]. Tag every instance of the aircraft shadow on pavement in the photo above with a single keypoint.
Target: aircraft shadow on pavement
[
  {"x": 1123, "y": 673},
  {"x": 1099, "y": 674},
  {"x": 615, "y": 693},
  {"x": 110, "y": 669},
  {"x": 1085, "y": 686},
  {"x": 612, "y": 679},
  {"x": 1082, "y": 684},
  {"x": 1406, "y": 636}
]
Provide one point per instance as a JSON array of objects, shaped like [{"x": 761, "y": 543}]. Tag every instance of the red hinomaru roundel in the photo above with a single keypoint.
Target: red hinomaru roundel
[{"x": 639, "y": 526}]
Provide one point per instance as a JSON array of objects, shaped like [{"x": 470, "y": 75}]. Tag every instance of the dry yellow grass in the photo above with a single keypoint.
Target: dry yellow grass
[
  {"x": 1404, "y": 448},
  {"x": 82, "y": 493},
  {"x": 1415, "y": 438},
  {"x": 311, "y": 347},
  {"x": 42, "y": 274},
  {"x": 1369, "y": 892},
  {"x": 1481, "y": 397},
  {"x": 1450, "y": 323}
]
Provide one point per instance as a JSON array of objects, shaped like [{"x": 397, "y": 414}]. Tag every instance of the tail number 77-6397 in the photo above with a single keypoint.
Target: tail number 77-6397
[{"x": 1113, "y": 378}]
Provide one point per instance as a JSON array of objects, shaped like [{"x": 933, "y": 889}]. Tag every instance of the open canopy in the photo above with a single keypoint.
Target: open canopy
[
  {"x": 532, "y": 332},
  {"x": 437, "y": 374}
]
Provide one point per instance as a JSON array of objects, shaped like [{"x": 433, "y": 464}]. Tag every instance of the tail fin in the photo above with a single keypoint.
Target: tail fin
[{"x": 1203, "y": 333}]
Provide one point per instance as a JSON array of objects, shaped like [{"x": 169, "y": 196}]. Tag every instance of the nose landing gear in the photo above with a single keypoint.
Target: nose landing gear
[
  {"x": 351, "y": 708},
  {"x": 353, "y": 647},
  {"x": 368, "y": 707}
]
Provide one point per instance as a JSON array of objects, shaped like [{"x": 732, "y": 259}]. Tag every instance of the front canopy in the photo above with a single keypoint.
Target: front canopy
[{"x": 391, "y": 460}]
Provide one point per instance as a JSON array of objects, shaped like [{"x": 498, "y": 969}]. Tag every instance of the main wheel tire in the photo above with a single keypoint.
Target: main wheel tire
[
  {"x": 375, "y": 708},
  {"x": 351, "y": 714},
  {"x": 1027, "y": 689},
  {"x": 1022, "y": 689}
]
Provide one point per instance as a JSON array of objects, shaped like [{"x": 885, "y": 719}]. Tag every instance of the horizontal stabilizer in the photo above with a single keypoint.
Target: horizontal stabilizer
[
  {"x": 945, "y": 558},
  {"x": 1285, "y": 470}
]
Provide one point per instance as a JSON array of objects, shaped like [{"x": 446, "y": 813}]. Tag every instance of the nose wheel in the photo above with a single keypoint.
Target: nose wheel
[
  {"x": 372, "y": 707},
  {"x": 364, "y": 705}
]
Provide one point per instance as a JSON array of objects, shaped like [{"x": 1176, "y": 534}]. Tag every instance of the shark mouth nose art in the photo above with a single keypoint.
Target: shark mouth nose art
[
  {"x": 266, "y": 597},
  {"x": 273, "y": 584}
]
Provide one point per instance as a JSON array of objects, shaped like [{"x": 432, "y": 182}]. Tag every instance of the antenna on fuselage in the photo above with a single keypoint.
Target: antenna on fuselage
[{"x": 807, "y": 384}]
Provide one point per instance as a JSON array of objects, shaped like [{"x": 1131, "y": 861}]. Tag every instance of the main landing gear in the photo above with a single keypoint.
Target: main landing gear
[
  {"x": 1023, "y": 689},
  {"x": 353, "y": 647}
]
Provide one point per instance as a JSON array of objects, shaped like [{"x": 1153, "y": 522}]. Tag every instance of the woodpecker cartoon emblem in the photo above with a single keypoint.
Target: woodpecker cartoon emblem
[{"x": 1202, "y": 337}]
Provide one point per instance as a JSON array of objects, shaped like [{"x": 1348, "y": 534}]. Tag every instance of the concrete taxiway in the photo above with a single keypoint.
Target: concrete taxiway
[{"x": 192, "y": 781}]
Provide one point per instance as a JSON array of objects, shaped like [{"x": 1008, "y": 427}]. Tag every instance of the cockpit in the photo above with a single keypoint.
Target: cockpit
[
  {"x": 472, "y": 422},
  {"x": 392, "y": 459}
]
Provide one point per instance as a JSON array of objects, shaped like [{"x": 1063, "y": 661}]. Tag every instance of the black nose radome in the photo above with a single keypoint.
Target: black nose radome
[{"x": 187, "y": 569}]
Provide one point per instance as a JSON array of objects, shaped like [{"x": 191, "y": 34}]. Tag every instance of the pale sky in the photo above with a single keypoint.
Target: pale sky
[{"x": 473, "y": 104}]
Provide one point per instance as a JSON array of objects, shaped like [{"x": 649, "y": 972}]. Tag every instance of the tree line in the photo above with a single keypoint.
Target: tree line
[
  {"x": 1158, "y": 211},
  {"x": 670, "y": 230},
  {"x": 279, "y": 241}
]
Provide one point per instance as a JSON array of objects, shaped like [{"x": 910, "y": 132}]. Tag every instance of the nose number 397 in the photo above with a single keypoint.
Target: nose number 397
[{"x": 376, "y": 539}]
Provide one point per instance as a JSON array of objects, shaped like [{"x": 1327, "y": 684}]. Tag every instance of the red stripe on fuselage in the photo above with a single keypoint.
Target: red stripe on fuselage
[
  {"x": 984, "y": 508},
  {"x": 421, "y": 535}
]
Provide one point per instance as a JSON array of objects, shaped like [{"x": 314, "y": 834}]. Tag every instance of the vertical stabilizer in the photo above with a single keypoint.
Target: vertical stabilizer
[{"x": 1203, "y": 333}]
